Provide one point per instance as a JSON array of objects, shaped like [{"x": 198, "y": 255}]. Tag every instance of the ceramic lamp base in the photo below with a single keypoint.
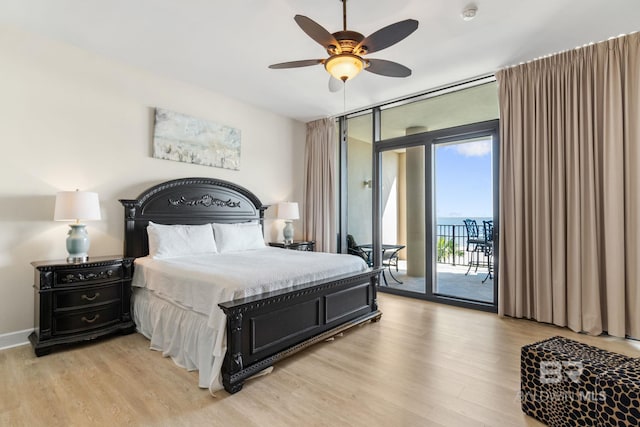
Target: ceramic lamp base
[
  {"x": 77, "y": 243},
  {"x": 287, "y": 232}
]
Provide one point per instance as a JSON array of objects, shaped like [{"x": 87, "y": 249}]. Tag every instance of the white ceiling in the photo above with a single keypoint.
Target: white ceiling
[{"x": 226, "y": 46}]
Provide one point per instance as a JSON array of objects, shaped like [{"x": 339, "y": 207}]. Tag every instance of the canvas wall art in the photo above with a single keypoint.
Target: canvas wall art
[{"x": 192, "y": 140}]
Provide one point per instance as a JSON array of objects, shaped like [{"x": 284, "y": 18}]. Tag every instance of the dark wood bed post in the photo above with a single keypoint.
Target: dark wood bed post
[
  {"x": 129, "y": 221},
  {"x": 265, "y": 328}
]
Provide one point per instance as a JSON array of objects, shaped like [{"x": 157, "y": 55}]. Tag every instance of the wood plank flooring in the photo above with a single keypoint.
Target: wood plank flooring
[{"x": 458, "y": 367}]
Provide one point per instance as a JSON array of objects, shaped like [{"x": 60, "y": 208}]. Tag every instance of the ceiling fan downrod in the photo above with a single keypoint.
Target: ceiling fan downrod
[{"x": 344, "y": 15}]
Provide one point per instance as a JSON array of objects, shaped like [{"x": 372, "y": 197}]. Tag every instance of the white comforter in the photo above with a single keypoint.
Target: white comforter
[{"x": 200, "y": 283}]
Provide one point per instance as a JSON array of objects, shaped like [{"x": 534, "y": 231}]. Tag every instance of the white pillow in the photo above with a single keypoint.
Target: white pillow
[
  {"x": 168, "y": 241},
  {"x": 238, "y": 237}
]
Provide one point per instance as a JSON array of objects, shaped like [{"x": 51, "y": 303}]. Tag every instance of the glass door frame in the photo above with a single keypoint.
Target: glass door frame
[{"x": 429, "y": 140}]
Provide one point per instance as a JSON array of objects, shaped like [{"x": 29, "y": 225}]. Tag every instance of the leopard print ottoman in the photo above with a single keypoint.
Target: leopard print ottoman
[
  {"x": 558, "y": 379},
  {"x": 621, "y": 388}
]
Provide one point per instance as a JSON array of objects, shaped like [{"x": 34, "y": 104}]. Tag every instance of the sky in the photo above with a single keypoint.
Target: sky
[{"x": 463, "y": 179}]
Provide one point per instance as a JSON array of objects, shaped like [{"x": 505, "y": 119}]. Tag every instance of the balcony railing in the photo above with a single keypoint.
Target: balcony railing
[{"x": 451, "y": 245}]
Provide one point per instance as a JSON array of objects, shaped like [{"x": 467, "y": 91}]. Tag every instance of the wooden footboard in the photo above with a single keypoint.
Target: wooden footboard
[{"x": 264, "y": 329}]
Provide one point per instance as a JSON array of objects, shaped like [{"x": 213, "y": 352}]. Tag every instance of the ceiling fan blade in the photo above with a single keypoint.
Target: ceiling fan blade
[
  {"x": 317, "y": 32},
  {"x": 387, "y": 36},
  {"x": 387, "y": 68},
  {"x": 296, "y": 64},
  {"x": 335, "y": 85}
]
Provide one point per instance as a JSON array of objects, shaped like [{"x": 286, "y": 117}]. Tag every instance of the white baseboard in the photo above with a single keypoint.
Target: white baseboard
[{"x": 14, "y": 339}]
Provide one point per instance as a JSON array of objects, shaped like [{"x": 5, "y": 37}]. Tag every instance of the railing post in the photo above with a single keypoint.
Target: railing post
[{"x": 453, "y": 243}]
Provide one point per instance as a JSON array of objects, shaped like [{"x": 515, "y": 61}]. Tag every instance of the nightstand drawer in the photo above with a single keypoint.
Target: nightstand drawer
[
  {"x": 84, "y": 276},
  {"x": 79, "y": 321},
  {"x": 95, "y": 295}
]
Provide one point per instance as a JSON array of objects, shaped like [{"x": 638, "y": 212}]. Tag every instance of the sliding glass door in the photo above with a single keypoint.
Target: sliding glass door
[
  {"x": 431, "y": 184},
  {"x": 403, "y": 232},
  {"x": 463, "y": 202}
]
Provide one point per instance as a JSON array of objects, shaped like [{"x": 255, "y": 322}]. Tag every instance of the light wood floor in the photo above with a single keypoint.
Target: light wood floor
[{"x": 457, "y": 367}]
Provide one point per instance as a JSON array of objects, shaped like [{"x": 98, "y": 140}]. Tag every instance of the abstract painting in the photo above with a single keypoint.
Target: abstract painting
[{"x": 188, "y": 139}]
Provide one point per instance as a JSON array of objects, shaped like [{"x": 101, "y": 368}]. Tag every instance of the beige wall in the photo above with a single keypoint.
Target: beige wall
[{"x": 71, "y": 119}]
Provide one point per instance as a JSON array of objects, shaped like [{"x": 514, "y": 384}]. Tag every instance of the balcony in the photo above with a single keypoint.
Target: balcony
[{"x": 459, "y": 273}]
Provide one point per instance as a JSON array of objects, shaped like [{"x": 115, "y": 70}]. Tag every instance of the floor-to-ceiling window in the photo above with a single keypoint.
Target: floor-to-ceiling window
[
  {"x": 359, "y": 213},
  {"x": 432, "y": 164}
]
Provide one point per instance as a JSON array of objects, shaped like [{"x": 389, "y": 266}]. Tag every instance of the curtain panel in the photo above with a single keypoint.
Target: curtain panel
[
  {"x": 320, "y": 186},
  {"x": 570, "y": 189}
]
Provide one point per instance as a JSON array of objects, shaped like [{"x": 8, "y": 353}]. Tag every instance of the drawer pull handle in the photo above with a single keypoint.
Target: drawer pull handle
[
  {"x": 85, "y": 297},
  {"x": 96, "y": 317}
]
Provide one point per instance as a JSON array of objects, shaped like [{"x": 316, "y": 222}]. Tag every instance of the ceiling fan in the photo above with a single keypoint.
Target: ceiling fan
[{"x": 346, "y": 49}]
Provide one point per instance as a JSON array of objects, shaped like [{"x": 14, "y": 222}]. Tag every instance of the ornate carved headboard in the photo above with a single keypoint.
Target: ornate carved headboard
[{"x": 186, "y": 201}]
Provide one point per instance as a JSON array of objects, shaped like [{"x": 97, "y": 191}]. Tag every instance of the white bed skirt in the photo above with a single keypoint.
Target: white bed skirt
[{"x": 180, "y": 334}]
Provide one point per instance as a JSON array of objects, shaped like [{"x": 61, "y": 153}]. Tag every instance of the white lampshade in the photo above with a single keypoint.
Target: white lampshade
[
  {"x": 288, "y": 210},
  {"x": 76, "y": 206}
]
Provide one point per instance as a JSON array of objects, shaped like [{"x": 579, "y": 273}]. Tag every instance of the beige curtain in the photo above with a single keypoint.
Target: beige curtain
[
  {"x": 570, "y": 189},
  {"x": 320, "y": 185}
]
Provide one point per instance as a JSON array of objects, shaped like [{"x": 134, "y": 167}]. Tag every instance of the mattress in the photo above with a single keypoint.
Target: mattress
[{"x": 175, "y": 301}]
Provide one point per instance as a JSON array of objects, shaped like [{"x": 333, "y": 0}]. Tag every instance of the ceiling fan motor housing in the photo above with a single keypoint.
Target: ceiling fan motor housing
[{"x": 348, "y": 40}]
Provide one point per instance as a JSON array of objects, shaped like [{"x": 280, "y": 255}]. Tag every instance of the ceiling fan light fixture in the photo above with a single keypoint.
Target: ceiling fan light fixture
[{"x": 344, "y": 66}]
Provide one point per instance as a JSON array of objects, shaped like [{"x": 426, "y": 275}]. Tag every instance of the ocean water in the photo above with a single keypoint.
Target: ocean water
[{"x": 459, "y": 220}]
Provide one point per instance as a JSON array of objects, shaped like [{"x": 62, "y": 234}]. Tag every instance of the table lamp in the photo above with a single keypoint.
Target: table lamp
[
  {"x": 288, "y": 211},
  {"x": 77, "y": 206}
]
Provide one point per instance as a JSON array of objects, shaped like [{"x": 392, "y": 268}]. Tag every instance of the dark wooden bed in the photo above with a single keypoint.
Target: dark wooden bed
[{"x": 262, "y": 329}]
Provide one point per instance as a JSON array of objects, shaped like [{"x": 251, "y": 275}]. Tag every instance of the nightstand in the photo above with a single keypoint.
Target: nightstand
[
  {"x": 77, "y": 302},
  {"x": 298, "y": 245}
]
